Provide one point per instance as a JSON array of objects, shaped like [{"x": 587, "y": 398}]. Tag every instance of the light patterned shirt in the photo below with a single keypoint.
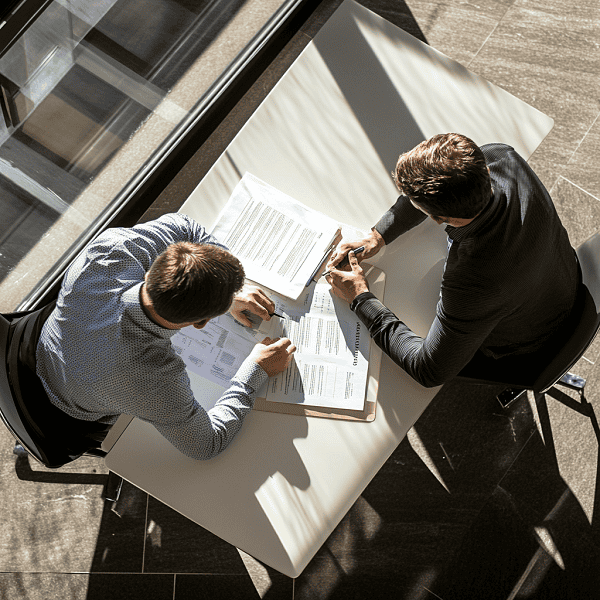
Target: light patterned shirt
[{"x": 100, "y": 356}]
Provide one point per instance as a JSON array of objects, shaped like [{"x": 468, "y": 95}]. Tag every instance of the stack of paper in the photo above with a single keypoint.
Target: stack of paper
[{"x": 280, "y": 241}]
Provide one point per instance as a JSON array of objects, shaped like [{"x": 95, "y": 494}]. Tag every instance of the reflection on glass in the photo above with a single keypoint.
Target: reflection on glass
[{"x": 81, "y": 84}]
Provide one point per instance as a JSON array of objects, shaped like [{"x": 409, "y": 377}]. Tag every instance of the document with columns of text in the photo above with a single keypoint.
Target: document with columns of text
[
  {"x": 280, "y": 241},
  {"x": 328, "y": 369}
]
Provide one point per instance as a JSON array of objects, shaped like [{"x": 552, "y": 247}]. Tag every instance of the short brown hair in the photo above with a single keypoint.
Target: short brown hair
[
  {"x": 445, "y": 175},
  {"x": 191, "y": 282}
]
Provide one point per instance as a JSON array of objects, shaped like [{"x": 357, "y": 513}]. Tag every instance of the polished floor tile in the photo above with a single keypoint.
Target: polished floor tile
[
  {"x": 120, "y": 542},
  {"x": 418, "y": 509},
  {"x": 456, "y": 28},
  {"x": 225, "y": 587},
  {"x": 578, "y": 209},
  {"x": 51, "y": 519},
  {"x": 545, "y": 55},
  {"x": 582, "y": 168},
  {"x": 77, "y": 586},
  {"x": 42, "y": 586},
  {"x": 130, "y": 587},
  {"x": 174, "y": 544},
  {"x": 531, "y": 539}
]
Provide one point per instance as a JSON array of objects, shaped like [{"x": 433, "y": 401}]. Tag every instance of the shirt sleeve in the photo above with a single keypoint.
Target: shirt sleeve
[
  {"x": 399, "y": 219},
  {"x": 453, "y": 338},
  {"x": 199, "y": 434}
]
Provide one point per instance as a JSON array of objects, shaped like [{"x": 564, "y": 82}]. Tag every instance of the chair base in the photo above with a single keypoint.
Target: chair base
[
  {"x": 113, "y": 482},
  {"x": 112, "y": 490},
  {"x": 573, "y": 382},
  {"x": 569, "y": 380},
  {"x": 509, "y": 396},
  {"x": 20, "y": 451}
]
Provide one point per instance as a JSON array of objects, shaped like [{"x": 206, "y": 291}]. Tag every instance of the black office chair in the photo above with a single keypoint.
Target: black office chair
[
  {"x": 26, "y": 410},
  {"x": 551, "y": 365}
]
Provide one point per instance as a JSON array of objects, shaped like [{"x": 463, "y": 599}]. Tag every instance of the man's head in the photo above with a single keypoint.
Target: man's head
[
  {"x": 445, "y": 176},
  {"x": 189, "y": 282}
]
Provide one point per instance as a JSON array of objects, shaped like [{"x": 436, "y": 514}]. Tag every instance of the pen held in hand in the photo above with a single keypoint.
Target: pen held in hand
[
  {"x": 274, "y": 314},
  {"x": 345, "y": 261},
  {"x": 314, "y": 273}
]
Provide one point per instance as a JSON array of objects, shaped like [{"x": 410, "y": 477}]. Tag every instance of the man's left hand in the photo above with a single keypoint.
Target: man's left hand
[
  {"x": 348, "y": 284},
  {"x": 254, "y": 300}
]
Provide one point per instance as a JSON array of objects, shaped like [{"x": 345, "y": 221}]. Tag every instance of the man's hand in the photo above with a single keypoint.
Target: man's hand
[
  {"x": 273, "y": 355},
  {"x": 348, "y": 285},
  {"x": 254, "y": 300},
  {"x": 373, "y": 243}
]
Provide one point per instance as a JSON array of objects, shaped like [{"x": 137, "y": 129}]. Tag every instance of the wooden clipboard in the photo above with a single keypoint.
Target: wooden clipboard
[{"x": 376, "y": 279}]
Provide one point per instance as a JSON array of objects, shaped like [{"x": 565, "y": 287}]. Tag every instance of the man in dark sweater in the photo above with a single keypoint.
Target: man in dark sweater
[{"x": 511, "y": 275}]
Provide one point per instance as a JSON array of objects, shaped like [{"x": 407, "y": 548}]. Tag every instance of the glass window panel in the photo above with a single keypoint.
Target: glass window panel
[{"x": 93, "y": 94}]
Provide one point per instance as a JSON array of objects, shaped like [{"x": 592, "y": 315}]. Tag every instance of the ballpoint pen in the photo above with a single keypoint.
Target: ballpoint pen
[
  {"x": 345, "y": 261},
  {"x": 320, "y": 264},
  {"x": 274, "y": 314}
]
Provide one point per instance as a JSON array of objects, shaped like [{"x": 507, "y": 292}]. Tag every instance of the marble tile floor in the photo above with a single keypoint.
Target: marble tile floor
[{"x": 477, "y": 502}]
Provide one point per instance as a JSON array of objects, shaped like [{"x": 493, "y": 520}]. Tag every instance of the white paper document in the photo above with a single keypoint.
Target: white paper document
[
  {"x": 280, "y": 241},
  {"x": 328, "y": 369}
]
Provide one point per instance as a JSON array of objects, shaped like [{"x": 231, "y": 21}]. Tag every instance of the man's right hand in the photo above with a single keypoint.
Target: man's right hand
[
  {"x": 373, "y": 243},
  {"x": 273, "y": 355}
]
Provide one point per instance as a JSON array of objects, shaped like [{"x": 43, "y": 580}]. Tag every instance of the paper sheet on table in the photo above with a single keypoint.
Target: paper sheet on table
[
  {"x": 279, "y": 241},
  {"x": 329, "y": 367},
  {"x": 214, "y": 352}
]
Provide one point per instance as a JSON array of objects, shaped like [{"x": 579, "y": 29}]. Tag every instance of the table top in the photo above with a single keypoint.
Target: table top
[{"x": 329, "y": 134}]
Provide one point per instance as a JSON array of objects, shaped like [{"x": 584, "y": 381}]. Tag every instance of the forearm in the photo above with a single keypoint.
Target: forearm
[
  {"x": 426, "y": 360},
  {"x": 201, "y": 435},
  {"x": 399, "y": 219},
  {"x": 234, "y": 405}
]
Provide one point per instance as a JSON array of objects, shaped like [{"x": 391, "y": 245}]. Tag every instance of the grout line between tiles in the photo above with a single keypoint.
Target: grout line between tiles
[
  {"x": 490, "y": 34},
  {"x": 145, "y": 536},
  {"x": 533, "y": 433},
  {"x": 582, "y": 140},
  {"x": 432, "y": 593},
  {"x": 578, "y": 187}
]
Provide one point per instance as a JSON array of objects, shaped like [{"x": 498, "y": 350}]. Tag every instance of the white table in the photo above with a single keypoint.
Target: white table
[{"x": 329, "y": 135}]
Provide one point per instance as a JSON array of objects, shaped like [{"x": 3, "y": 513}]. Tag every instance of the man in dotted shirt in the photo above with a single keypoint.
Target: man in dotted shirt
[
  {"x": 511, "y": 276},
  {"x": 105, "y": 350}
]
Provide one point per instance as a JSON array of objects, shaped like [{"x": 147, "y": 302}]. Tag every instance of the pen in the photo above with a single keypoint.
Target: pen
[
  {"x": 276, "y": 315},
  {"x": 320, "y": 264},
  {"x": 345, "y": 261}
]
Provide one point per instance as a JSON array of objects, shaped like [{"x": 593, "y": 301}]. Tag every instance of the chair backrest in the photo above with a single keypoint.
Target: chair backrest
[
  {"x": 16, "y": 423},
  {"x": 586, "y": 327}
]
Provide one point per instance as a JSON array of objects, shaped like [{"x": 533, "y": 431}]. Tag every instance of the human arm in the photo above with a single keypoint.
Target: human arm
[
  {"x": 201, "y": 434},
  {"x": 460, "y": 327},
  {"x": 400, "y": 218}
]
